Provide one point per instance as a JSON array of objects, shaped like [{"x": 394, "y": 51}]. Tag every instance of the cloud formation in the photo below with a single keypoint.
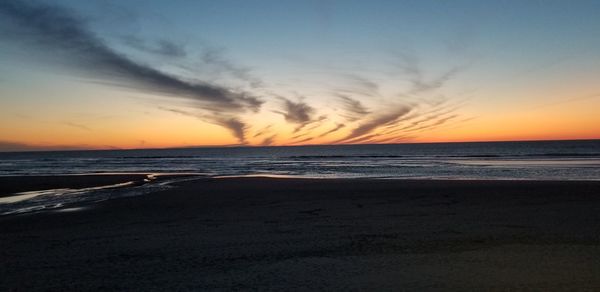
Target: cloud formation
[
  {"x": 335, "y": 129},
  {"x": 262, "y": 131},
  {"x": 354, "y": 109},
  {"x": 411, "y": 67},
  {"x": 359, "y": 85},
  {"x": 296, "y": 112},
  {"x": 419, "y": 84},
  {"x": 62, "y": 37},
  {"x": 434, "y": 124},
  {"x": 60, "y": 33},
  {"x": 315, "y": 123},
  {"x": 161, "y": 47},
  {"x": 268, "y": 141},
  {"x": 214, "y": 58},
  {"x": 237, "y": 127},
  {"x": 376, "y": 122}
]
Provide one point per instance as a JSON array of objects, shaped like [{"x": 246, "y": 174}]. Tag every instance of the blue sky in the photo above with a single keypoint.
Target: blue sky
[{"x": 491, "y": 57}]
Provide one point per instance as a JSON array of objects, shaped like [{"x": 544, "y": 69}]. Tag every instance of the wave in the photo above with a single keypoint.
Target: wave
[
  {"x": 537, "y": 155},
  {"x": 566, "y": 154},
  {"x": 342, "y": 156},
  {"x": 158, "y": 157}
]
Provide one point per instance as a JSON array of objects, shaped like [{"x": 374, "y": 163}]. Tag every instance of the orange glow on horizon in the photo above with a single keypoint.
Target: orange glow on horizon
[{"x": 162, "y": 129}]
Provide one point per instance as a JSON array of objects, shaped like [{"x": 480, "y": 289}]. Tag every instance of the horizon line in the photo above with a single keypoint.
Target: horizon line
[{"x": 290, "y": 146}]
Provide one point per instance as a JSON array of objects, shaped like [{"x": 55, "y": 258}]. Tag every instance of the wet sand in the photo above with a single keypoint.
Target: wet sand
[
  {"x": 10, "y": 185},
  {"x": 296, "y": 234}
]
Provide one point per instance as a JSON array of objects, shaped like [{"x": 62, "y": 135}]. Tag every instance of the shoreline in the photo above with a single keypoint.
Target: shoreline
[
  {"x": 272, "y": 234},
  {"x": 66, "y": 192},
  {"x": 11, "y": 185},
  {"x": 28, "y": 187}
]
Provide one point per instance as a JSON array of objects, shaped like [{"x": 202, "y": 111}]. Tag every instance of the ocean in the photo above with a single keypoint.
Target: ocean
[
  {"x": 541, "y": 160},
  {"x": 548, "y": 160}
]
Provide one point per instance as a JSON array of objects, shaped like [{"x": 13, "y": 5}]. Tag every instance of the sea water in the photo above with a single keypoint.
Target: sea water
[{"x": 547, "y": 160}]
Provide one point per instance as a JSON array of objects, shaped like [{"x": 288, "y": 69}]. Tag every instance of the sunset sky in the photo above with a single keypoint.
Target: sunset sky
[{"x": 110, "y": 74}]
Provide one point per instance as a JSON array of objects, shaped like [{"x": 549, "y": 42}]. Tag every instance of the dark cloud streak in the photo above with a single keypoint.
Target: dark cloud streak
[
  {"x": 376, "y": 122},
  {"x": 237, "y": 127},
  {"x": 268, "y": 141},
  {"x": 296, "y": 112},
  {"x": 315, "y": 124},
  {"x": 335, "y": 129},
  {"x": 433, "y": 125},
  {"x": 215, "y": 58},
  {"x": 161, "y": 47},
  {"x": 354, "y": 109},
  {"x": 262, "y": 131},
  {"x": 61, "y": 34}
]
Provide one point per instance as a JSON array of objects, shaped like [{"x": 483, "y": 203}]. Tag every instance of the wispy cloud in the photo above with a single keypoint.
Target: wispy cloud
[
  {"x": 359, "y": 85},
  {"x": 410, "y": 66},
  {"x": 394, "y": 139},
  {"x": 421, "y": 85},
  {"x": 439, "y": 110},
  {"x": 163, "y": 47},
  {"x": 61, "y": 36},
  {"x": 66, "y": 39},
  {"x": 302, "y": 140},
  {"x": 236, "y": 126},
  {"x": 361, "y": 139},
  {"x": 333, "y": 130},
  {"x": 215, "y": 58},
  {"x": 311, "y": 125},
  {"x": 268, "y": 140},
  {"x": 434, "y": 124},
  {"x": 353, "y": 109},
  {"x": 376, "y": 122},
  {"x": 296, "y": 112},
  {"x": 262, "y": 131},
  {"x": 178, "y": 111},
  {"x": 78, "y": 126}
]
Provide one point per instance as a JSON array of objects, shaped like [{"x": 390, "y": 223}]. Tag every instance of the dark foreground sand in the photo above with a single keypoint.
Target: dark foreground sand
[{"x": 288, "y": 234}]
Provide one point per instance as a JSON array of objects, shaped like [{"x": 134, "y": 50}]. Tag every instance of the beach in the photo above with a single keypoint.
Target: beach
[
  {"x": 315, "y": 234},
  {"x": 16, "y": 184},
  {"x": 299, "y": 145}
]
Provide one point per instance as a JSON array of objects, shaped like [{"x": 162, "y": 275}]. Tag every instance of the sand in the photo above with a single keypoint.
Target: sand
[
  {"x": 15, "y": 184},
  {"x": 297, "y": 234}
]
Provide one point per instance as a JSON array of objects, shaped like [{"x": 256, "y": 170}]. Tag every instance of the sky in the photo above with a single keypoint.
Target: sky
[{"x": 107, "y": 74}]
